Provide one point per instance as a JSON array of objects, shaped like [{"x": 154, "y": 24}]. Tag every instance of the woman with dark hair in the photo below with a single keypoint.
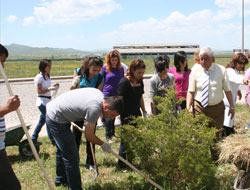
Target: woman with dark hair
[
  {"x": 43, "y": 85},
  {"x": 112, "y": 73},
  {"x": 131, "y": 89},
  {"x": 181, "y": 75},
  {"x": 87, "y": 76},
  {"x": 236, "y": 79}
]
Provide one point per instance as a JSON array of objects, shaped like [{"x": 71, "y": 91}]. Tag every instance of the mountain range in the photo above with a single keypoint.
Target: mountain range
[{"x": 23, "y": 51}]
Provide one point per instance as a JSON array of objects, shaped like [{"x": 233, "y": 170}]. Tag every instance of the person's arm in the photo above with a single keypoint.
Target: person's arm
[
  {"x": 90, "y": 134},
  {"x": 152, "y": 104},
  {"x": 190, "y": 97},
  {"x": 39, "y": 89},
  {"x": 231, "y": 103},
  {"x": 12, "y": 104},
  {"x": 142, "y": 105},
  {"x": 75, "y": 82}
]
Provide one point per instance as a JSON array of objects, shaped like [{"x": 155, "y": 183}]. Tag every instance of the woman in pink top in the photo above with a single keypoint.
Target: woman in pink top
[
  {"x": 247, "y": 95},
  {"x": 181, "y": 75}
]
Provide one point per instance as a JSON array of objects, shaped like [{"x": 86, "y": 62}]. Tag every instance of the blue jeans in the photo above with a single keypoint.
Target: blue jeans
[
  {"x": 40, "y": 124},
  {"x": 67, "y": 157},
  {"x": 109, "y": 125}
]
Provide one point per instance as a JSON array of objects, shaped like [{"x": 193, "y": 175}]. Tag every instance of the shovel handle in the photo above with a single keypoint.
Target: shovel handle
[{"x": 138, "y": 171}]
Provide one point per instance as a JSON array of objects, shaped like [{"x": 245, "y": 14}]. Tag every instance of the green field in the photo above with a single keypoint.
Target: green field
[{"x": 29, "y": 68}]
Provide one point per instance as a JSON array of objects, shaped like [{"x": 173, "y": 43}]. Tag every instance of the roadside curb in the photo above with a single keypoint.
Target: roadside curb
[{"x": 148, "y": 76}]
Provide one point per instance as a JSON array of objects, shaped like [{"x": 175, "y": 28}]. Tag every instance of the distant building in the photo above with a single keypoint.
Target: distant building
[{"x": 152, "y": 50}]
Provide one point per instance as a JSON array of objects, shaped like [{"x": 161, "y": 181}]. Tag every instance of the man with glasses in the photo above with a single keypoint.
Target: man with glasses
[{"x": 207, "y": 82}]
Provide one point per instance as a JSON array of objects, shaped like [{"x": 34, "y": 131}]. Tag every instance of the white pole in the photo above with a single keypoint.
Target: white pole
[{"x": 242, "y": 48}]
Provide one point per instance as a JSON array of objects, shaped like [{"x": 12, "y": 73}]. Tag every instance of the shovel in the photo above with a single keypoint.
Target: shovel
[{"x": 92, "y": 152}]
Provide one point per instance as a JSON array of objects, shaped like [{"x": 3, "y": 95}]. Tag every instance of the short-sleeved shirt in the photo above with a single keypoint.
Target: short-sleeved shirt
[
  {"x": 46, "y": 83},
  {"x": 157, "y": 85},
  {"x": 218, "y": 82},
  {"x": 131, "y": 97},
  {"x": 92, "y": 81},
  {"x": 76, "y": 105},
  {"x": 111, "y": 80},
  {"x": 181, "y": 82}
]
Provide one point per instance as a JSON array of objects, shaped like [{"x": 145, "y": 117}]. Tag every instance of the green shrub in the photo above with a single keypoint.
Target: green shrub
[{"x": 173, "y": 151}]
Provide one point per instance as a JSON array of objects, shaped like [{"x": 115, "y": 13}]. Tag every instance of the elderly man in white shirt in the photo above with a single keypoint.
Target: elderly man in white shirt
[{"x": 207, "y": 82}]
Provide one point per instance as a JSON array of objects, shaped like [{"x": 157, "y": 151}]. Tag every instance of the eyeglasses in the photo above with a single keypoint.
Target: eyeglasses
[{"x": 241, "y": 63}]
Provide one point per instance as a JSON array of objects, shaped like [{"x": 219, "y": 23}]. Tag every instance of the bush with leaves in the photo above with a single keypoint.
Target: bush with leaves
[{"x": 173, "y": 151}]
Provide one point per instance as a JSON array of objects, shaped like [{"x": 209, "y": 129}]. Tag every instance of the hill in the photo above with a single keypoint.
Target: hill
[{"x": 18, "y": 51}]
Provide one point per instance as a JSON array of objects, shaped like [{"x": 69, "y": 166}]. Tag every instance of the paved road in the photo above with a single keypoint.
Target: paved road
[{"x": 27, "y": 94}]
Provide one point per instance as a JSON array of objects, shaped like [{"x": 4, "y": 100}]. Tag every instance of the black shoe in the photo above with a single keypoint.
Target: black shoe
[{"x": 57, "y": 184}]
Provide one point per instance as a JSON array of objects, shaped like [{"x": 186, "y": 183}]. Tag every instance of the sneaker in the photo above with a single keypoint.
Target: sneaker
[
  {"x": 57, "y": 184},
  {"x": 248, "y": 126},
  {"x": 90, "y": 167}
]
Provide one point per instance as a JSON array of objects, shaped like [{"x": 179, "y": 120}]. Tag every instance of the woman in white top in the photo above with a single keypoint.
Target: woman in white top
[
  {"x": 236, "y": 79},
  {"x": 43, "y": 85}
]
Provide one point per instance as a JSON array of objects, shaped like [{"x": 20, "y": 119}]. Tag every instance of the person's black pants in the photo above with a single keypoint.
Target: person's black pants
[
  {"x": 78, "y": 136},
  {"x": 8, "y": 179}
]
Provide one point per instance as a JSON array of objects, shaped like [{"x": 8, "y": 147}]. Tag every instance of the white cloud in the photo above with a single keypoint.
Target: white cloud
[
  {"x": 203, "y": 27},
  {"x": 28, "y": 21},
  {"x": 12, "y": 18},
  {"x": 73, "y": 11},
  {"x": 235, "y": 6}
]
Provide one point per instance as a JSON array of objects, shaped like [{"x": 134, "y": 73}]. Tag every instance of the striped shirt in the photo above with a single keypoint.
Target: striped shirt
[
  {"x": 2, "y": 126},
  {"x": 2, "y": 133}
]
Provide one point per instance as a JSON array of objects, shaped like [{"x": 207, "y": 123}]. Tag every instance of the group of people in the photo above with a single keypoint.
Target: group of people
[{"x": 112, "y": 89}]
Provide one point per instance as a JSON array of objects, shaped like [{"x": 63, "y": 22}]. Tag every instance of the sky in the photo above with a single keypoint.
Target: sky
[{"x": 99, "y": 24}]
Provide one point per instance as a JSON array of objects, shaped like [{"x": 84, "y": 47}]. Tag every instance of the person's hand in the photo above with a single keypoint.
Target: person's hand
[
  {"x": 245, "y": 81},
  {"x": 239, "y": 95},
  {"x": 57, "y": 85},
  {"x": 231, "y": 112},
  {"x": 76, "y": 81},
  {"x": 13, "y": 103},
  {"x": 51, "y": 88},
  {"x": 106, "y": 147}
]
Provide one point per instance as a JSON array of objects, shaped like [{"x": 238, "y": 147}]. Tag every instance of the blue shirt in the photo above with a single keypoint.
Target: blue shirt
[{"x": 92, "y": 81}]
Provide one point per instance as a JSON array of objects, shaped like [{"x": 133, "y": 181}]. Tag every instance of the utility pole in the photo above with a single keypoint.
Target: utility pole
[{"x": 242, "y": 45}]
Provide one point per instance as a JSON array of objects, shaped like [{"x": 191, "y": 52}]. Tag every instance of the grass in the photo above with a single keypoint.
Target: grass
[
  {"x": 31, "y": 177},
  {"x": 29, "y": 68},
  {"x": 110, "y": 178}
]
